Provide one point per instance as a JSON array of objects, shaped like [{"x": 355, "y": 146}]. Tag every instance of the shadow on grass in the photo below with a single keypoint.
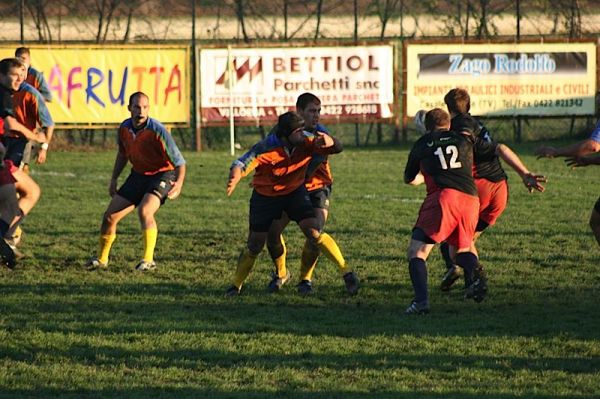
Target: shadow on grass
[{"x": 108, "y": 308}]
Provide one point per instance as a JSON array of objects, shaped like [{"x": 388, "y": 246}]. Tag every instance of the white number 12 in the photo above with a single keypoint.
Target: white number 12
[{"x": 453, "y": 152}]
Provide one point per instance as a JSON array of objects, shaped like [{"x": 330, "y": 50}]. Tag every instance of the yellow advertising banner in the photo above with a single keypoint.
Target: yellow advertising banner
[
  {"x": 504, "y": 79},
  {"x": 92, "y": 85}
]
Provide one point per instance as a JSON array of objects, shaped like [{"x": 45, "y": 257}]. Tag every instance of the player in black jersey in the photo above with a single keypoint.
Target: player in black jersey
[
  {"x": 490, "y": 178},
  {"x": 443, "y": 159}
]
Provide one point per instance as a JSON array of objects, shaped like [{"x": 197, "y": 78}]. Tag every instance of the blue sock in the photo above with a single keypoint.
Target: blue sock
[
  {"x": 418, "y": 275},
  {"x": 445, "y": 250},
  {"x": 469, "y": 262}
]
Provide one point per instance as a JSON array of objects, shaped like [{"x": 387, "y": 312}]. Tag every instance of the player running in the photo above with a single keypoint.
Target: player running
[
  {"x": 490, "y": 177},
  {"x": 443, "y": 160}
]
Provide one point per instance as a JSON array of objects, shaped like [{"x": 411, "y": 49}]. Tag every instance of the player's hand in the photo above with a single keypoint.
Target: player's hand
[
  {"x": 574, "y": 162},
  {"x": 112, "y": 187},
  {"x": 545, "y": 151},
  {"x": 41, "y": 158},
  {"x": 235, "y": 175},
  {"x": 323, "y": 140},
  {"x": 39, "y": 137},
  {"x": 175, "y": 189},
  {"x": 532, "y": 182}
]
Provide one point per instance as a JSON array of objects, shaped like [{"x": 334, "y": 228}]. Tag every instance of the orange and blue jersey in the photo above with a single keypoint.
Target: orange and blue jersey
[
  {"x": 318, "y": 173},
  {"x": 36, "y": 79},
  {"x": 279, "y": 171},
  {"x": 30, "y": 109},
  {"x": 151, "y": 149}
]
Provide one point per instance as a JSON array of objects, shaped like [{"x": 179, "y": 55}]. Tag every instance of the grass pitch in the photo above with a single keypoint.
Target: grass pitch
[{"x": 69, "y": 333}]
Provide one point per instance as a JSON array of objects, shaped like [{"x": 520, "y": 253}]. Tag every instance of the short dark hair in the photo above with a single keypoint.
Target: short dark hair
[
  {"x": 306, "y": 98},
  {"x": 21, "y": 50},
  {"x": 287, "y": 123},
  {"x": 137, "y": 94},
  {"x": 8, "y": 63},
  {"x": 458, "y": 101},
  {"x": 436, "y": 119}
]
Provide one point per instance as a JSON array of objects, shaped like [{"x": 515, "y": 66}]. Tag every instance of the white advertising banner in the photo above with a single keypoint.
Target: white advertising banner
[
  {"x": 258, "y": 84},
  {"x": 504, "y": 79}
]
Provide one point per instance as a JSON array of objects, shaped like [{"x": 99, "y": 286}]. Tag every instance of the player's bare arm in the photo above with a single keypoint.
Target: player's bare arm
[
  {"x": 419, "y": 179},
  {"x": 177, "y": 185},
  {"x": 578, "y": 149},
  {"x": 42, "y": 155},
  {"x": 120, "y": 162},
  {"x": 14, "y": 125},
  {"x": 530, "y": 180}
]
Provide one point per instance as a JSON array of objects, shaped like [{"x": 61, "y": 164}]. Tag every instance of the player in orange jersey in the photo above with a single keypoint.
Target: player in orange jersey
[
  {"x": 281, "y": 166},
  {"x": 157, "y": 173}
]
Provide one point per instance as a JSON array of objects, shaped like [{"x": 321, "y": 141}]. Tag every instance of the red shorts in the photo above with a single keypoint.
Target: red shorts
[
  {"x": 6, "y": 176},
  {"x": 493, "y": 198},
  {"x": 449, "y": 215}
]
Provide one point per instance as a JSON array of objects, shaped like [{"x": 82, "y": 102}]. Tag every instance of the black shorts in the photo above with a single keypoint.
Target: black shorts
[
  {"x": 137, "y": 185},
  {"x": 320, "y": 197},
  {"x": 15, "y": 149},
  {"x": 597, "y": 206},
  {"x": 264, "y": 210}
]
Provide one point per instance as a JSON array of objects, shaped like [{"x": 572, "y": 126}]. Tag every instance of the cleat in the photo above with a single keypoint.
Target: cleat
[
  {"x": 453, "y": 274},
  {"x": 13, "y": 245},
  {"x": 305, "y": 287},
  {"x": 232, "y": 291},
  {"x": 278, "y": 282},
  {"x": 144, "y": 266},
  {"x": 417, "y": 308},
  {"x": 7, "y": 255},
  {"x": 95, "y": 264},
  {"x": 351, "y": 281},
  {"x": 478, "y": 290}
]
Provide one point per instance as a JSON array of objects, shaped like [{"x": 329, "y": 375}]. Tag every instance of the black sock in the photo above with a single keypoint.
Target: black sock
[
  {"x": 3, "y": 227},
  {"x": 469, "y": 262},
  {"x": 417, "y": 268},
  {"x": 11, "y": 231},
  {"x": 445, "y": 251}
]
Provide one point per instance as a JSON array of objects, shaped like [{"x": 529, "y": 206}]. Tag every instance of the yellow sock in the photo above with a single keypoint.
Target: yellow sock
[
  {"x": 244, "y": 265},
  {"x": 106, "y": 242},
  {"x": 279, "y": 258},
  {"x": 329, "y": 247},
  {"x": 308, "y": 261},
  {"x": 149, "y": 237}
]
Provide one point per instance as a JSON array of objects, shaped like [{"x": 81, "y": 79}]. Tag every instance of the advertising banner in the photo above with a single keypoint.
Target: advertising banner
[
  {"x": 258, "y": 84},
  {"x": 504, "y": 79},
  {"x": 92, "y": 85}
]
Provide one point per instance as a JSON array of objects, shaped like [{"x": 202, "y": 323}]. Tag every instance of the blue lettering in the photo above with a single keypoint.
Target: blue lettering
[
  {"x": 123, "y": 86},
  {"x": 89, "y": 91}
]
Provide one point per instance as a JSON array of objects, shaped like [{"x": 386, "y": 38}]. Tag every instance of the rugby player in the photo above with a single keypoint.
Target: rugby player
[
  {"x": 278, "y": 182},
  {"x": 157, "y": 173},
  {"x": 33, "y": 77},
  {"x": 319, "y": 185},
  {"x": 490, "y": 178},
  {"x": 578, "y": 155},
  {"x": 443, "y": 160}
]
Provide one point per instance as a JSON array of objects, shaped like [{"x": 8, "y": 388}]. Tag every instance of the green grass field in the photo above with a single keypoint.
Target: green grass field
[{"x": 69, "y": 333}]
